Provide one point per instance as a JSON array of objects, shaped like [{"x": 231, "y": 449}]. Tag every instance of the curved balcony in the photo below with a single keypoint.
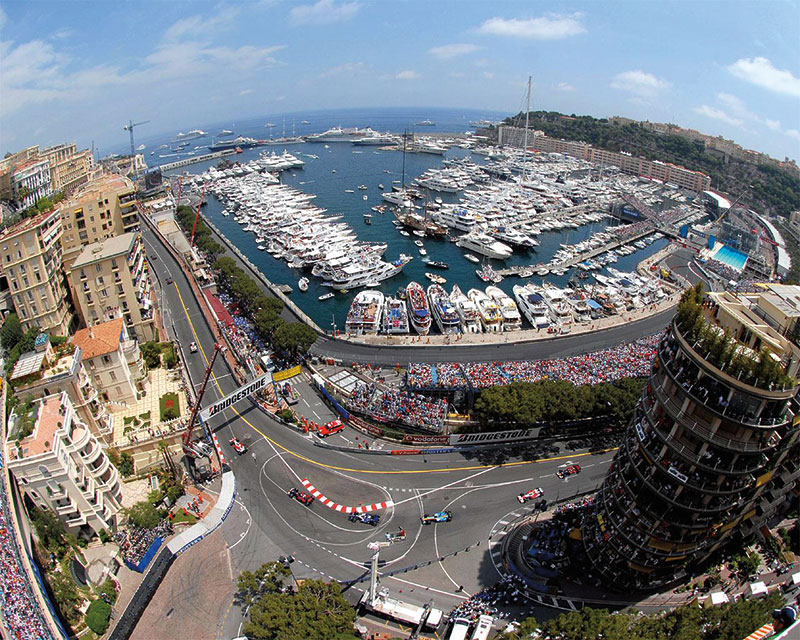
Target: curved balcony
[
  {"x": 78, "y": 437},
  {"x": 91, "y": 453},
  {"x": 99, "y": 468},
  {"x": 109, "y": 477}
]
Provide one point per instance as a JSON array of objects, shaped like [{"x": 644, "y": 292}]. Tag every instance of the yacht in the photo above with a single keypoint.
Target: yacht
[
  {"x": 560, "y": 309},
  {"x": 224, "y": 133},
  {"x": 426, "y": 123},
  {"x": 485, "y": 245},
  {"x": 531, "y": 303},
  {"x": 512, "y": 320},
  {"x": 418, "y": 311},
  {"x": 375, "y": 140},
  {"x": 444, "y": 311},
  {"x": 488, "y": 310},
  {"x": 361, "y": 273},
  {"x": 513, "y": 237},
  {"x": 365, "y": 313},
  {"x": 467, "y": 310},
  {"x": 455, "y": 218},
  {"x": 194, "y": 133},
  {"x": 337, "y": 134},
  {"x": 395, "y": 316}
]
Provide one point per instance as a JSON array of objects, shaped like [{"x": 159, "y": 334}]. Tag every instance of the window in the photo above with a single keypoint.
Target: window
[
  {"x": 44, "y": 471},
  {"x": 106, "y": 360},
  {"x": 112, "y": 375},
  {"x": 113, "y": 262},
  {"x": 98, "y": 267}
]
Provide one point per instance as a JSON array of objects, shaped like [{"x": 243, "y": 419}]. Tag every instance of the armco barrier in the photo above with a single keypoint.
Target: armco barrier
[{"x": 406, "y": 452}]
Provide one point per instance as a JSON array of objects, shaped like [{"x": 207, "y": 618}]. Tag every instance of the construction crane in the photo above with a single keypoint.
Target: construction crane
[
  {"x": 199, "y": 449},
  {"x": 129, "y": 128}
]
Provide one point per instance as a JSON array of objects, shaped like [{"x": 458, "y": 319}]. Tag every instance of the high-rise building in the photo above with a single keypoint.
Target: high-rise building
[
  {"x": 60, "y": 465},
  {"x": 110, "y": 278},
  {"x": 710, "y": 452},
  {"x": 30, "y": 259},
  {"x": 101, "y": 209}
]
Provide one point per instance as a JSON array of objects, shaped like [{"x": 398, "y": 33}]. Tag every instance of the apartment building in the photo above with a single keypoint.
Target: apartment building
[
  {"x": 103, "y": 208},
  {"x": 46, "y": 371},
  {"x": 110, "y": 278},
  {"x": 31, "y": 181},
  {"x": 61, "y": 466},
  {"x": 69, "y": 168},
  {"x": 8, "y": 163},
  {"x": 30, "y": 259},
  {"x": 113, "y": 360}
]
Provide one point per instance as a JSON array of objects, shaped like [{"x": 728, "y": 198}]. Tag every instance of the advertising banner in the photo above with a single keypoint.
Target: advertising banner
[
  {"x": 497, "y": 436},
  {"x": 420, "y": 439},
  {"x": 242, "y": 392},
  {"x": 286, "y": 374}
]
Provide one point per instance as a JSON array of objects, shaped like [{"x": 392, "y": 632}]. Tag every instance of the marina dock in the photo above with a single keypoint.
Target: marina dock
[{"x": 195, "y": 159}]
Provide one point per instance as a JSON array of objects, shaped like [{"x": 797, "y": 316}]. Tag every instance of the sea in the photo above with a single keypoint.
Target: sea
[{"x": 340, "y": 167}]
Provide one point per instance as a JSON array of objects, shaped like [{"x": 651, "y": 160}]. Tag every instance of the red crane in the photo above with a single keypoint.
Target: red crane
[
  {"x": 197, "y": 214},
  {"x": 199, "y": 449}
]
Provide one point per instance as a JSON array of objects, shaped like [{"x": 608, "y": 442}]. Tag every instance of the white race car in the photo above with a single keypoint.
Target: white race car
[{"x": 530, "y": 495}]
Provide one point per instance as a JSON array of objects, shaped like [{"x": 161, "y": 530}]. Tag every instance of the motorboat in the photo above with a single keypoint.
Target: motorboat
[
  {"x": 467, "y": 311},
  {"x": 455, "y": 218},
  {"x": 326, "y": 296},
  {"x": 560, "y": 309},
  {"x": 302, "y": 284},
  {"x": 436, "y": 264},
  {"x": 472, "y": 258},
  {"x": 395, "y": 316},
  {"x": 433, "y": 277},
  {"x": 418, "y": 311},
  {"x": 489, "y": 312},
  {"x": 365, "y": 313},
  {"x": 444, "y": 311},
  {"x": 531, "y": 302},
  {"x": 485, "y": 245},
  {"x": 512, "y": 320}
]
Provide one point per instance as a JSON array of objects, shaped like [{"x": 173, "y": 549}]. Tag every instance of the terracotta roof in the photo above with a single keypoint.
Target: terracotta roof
[{"x": 98, "y": 339}]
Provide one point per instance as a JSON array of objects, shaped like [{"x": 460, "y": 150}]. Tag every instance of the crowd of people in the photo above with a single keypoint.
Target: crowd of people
[
  {"x": 20, "y": 609},
  {"x": 626, "y": 360},
  {"x": 134, "y": 542},
  {"x": 399, "y": 407},
  {"x": 241, "y": 334},
  {"x": 487, "y": 602},
  {"x": 723, "y": 270}
]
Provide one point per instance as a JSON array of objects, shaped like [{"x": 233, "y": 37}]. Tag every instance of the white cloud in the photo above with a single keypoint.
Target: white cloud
[
  {"x": 199, "y": 25},
  {"x": 639, "y": 83},
  {"x": 564, "y": 86},
  {"x": 793, "y": 133},
  {"x": 344, "y": 69},
  {"x": 773, "y": 125},
  {"x": 718, "y": 114},
  {"x": 447, "y": 51},
  {"x": 408, "y": 75},
  {"x": 323, "y": 12},
  {"x": 544, "y": 28},
  {"x": 762, "y": 73},
  {"x": 246, "y": 92}
]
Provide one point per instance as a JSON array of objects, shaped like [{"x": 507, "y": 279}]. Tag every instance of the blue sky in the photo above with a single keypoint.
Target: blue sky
[{"x": 78, "y": 70}]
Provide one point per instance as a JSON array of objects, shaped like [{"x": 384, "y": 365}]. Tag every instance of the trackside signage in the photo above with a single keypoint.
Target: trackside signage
[
  {"x": 498, "y": 436},
  {"x": 242, "y": 392}
]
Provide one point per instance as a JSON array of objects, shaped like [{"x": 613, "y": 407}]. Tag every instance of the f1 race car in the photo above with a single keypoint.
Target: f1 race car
[
  {"x": 571, "y": 470},
  {"x": 372, "y": 519},
  {"x": 530, "y": 495},
  {"x": 439, "y": 516},
  {"x": 301, "y": 496},
  {"x": 238, "y": 447}
]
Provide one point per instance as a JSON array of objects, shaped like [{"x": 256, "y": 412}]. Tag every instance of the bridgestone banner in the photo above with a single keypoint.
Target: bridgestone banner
[
  {"x": 242, "y": 392},
  {"x": 498, "y": 436}
]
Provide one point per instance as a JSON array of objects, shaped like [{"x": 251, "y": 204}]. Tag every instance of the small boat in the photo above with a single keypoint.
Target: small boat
[
  {"x": 435, "y": 278},
  {"x": 423, "y": 252},
  {"x": 419, "y": 233},
  {"x": 380, "y": 186},
  {"x": 419, "y": 243},
  {"x": 438, "y": 265},
  {"x": 367, "y": 218},
  {"x": 333, "y": 170},
  {"x": 225, "y": 213},
  {"x": 472, "y": 258},
  {"x": 364, "y": 197},
  {"x": 362, "y": 187},
  {"x": 262, "y": 247},
  {"x": 326, "y": 296},
  {"x": 302, "y": 284},
  {"x": 405, "y": 233},
  {"x": 349, "y": 191}
]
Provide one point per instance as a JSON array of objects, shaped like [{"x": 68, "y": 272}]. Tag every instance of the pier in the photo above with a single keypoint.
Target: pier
[{"x": 194, "y": 159}]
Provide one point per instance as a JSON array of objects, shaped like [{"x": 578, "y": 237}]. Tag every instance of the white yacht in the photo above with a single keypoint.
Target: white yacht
[
  {"x": 444, "y": 311},
  {"x": 512, "y": 320},
  {"x": 418, "y": 311},
  {"x": 531, "y": 303},
  {"x": 359, "y": 274},
  {"x": 485, "y": 245},
  {"x": 365, "y": 313},
  {"x": 489, "y": 311},
  {"x": 513, "y": 237},
  {"x": 395, "y": 317},
  {"x": 455, "y": 218},
  {"x": 560, "y": 309},
  {"x": 467, "y": 310}
]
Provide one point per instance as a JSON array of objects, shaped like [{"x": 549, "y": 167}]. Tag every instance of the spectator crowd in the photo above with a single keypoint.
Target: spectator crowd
[
  {"x": 399, "y": 407},
  {"x": 134, "y": 543}
]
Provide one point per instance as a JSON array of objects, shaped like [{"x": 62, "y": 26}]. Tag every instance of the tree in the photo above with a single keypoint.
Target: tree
[
  {"x": 268, "y": 578},
  {"x": 50, "y": 530},
  {"x": 316, "y": 610},
  {"x": 294, "y": 337},
  {"x": 151, "y": 351},
  {"x": 11, "y": 332},
  {"x": 143, "y": 514},
  {"x": 97, "y": 616},
  {"x": 66, "y": 595}
]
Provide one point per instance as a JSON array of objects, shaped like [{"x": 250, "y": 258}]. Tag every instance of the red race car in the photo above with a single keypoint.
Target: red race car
[
  {"x": 530, "y": 495},
  {"x": 571, "y": 470},
  {"x": 332, "y": 427},
  {"x": 301, "y": 496},
  {"x": 238, "y": 447}
]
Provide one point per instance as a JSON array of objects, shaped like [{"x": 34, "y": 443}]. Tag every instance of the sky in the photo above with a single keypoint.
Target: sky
[{"x": 78, "y": 70}]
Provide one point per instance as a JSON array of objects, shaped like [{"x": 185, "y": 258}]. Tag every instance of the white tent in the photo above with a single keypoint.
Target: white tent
[
  {"x": 758, "y": 589},
  {"x": 719, "y": 598},
  {"x": 796, "y": 578}
]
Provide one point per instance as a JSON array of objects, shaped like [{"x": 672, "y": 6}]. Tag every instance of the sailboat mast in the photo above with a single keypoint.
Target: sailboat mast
[{"x": 525, "y": 141}]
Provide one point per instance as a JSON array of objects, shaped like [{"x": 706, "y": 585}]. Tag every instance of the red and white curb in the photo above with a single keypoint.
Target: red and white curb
[
  {"x": 219, "y": 449},
  {"x": 340, "y": 507}
]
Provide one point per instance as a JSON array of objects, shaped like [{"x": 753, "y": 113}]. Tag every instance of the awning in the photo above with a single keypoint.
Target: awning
[
  {"x": 592, "y": 304},
  {"x": 758, "y": 589},
  {"x": 219, "y": 309}
]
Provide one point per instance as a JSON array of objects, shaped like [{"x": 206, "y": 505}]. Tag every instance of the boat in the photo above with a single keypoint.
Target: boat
[
  {"x": 426, "y": 123},
  {"x": 349, "y": 191},
  {"x": 455, "y": 218},
  {"x": 560, "y": 309},
  {"x": 367, "y": 218},
  {"x": 364, "y": 316},
  {"x": 423, "y": 252},
  {"x": 512, "y": 320},
  {"x": 395, "y": 316},
  {"x": 436, "y": 264},
  {"x": 444, "y": 311},
  {"x": 302, "y": 284},
  {"x": 405, "y": 233},
  {"x": 489, "y": 312},
  {"x": 531, "y": 302},
  {"x": 362, "y": 187},
  {"x": 419, "y": 243},
  {"x": 375, "y": 140},
  {"x": 365, "y": 197},
  {"x": 237, "y": 143},
  {"x": 194, "y": 133},
  {"x": 363, "y": 272},
  {"x": 304, "y": 122},
  {"x": 326, "y": 296},
  {"x": 472, "y": 258},
  {"x": 338, "y": 134},
  {"x": 467, "y": 311},
  {"x": 485, "y": 245},
  {"x": 418, "y": 311},
  {"x": 436, "y": 278}
]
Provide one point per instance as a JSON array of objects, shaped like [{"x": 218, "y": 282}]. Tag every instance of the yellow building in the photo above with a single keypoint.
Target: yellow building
[
  {"x": 69, "y": 168},
  {"x": 111, "y": 277},
  {"x": 103, "y": 208},
  {"x": 30, "y": 258}
]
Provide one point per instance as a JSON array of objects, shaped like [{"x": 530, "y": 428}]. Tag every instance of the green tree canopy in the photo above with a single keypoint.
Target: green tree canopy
[
  {"x": 11, "y": 332},
  {"x": 143, "y": 514},
  {"x": 97, "y": 616},
  {"x": 270, "y": 577},
  {"x": 295, "y": 337}
]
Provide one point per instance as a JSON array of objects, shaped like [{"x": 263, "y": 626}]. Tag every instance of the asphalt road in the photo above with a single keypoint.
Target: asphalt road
[{"x": 266, "y": 523}]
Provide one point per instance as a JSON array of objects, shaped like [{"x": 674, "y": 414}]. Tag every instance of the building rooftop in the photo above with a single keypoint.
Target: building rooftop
[
  {"x": 47, "y": 416},
  {"x": 27, "y": 364},
  {"x": 99, "y": 339},
  {"x": 116, "y": 246},
  {"x": 102, "y": 183},
  {"x": 27, "y": 224}
]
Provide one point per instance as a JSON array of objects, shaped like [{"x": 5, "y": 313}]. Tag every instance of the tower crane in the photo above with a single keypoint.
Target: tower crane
[
  {"x": 129, "y": 128},
  {"x": 199, "y": 449}
]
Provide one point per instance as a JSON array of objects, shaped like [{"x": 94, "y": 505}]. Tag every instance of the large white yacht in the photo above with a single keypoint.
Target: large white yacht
[
  {"x": 560, "y": 309},
  {"x": 444, "y": 311},
  {"x": 512, "y": 320},
  {"x": 365, "y": 313},
  {"x": 455, "y": 218},
  {"x": 489, "y": 312},
  {"x": 531, "y": 303},
  {"x": 395, "y": 316},
  {"x": 418, "y": 311},
  {"x": 467, "y": 310},
  {"x": 513, "y": 237},
  {"x": 337, "y": 134},
  {"x": 485, "y": 245},
  {"x": 359, "y": 274}
]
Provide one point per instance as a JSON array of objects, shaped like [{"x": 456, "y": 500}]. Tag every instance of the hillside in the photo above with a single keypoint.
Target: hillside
[{"x": 773, "y": 191}]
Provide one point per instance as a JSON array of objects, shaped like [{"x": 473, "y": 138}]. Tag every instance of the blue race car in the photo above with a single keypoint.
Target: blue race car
[
  {"x": 439, "y": 516},
  {"x": 372, "y": 519}
]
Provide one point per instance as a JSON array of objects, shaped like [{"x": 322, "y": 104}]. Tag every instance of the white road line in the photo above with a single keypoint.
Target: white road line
[
  {"x": 427, "y": 588},
  {"x": 446, "y": 486}
]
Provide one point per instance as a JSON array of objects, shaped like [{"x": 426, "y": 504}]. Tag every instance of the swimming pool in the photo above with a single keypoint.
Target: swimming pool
[{"x": 731, "y": 257}]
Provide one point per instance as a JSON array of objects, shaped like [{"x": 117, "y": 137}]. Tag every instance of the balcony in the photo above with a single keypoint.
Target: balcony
[
  {"x": 108, "y": 478},
  {"x": 63, "y": 507},
  {"x": 91, "y": 453},
  {"x": 99, "y": 466}
]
